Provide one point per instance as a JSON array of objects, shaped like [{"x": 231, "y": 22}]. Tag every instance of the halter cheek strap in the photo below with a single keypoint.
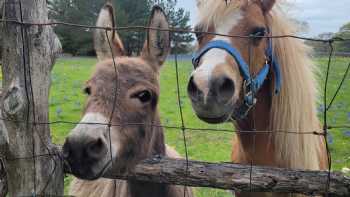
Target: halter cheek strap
[
  {"x": 275, "y": 65},
  {"x": 251, "y": 84}
]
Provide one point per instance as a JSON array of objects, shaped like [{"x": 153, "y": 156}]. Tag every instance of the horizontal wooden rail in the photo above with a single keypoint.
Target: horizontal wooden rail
[{"x": 237, "y": 177}]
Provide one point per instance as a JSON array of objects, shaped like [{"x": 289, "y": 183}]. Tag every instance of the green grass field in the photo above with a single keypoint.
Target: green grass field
[{"x": 67, "y": 101}]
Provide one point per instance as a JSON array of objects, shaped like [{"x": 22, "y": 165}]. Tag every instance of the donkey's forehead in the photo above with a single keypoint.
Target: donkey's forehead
[{"x": 135, "y": 69}]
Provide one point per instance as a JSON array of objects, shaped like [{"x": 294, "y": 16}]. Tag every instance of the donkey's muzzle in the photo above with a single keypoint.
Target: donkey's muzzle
[{"x": 83, "y": 154}]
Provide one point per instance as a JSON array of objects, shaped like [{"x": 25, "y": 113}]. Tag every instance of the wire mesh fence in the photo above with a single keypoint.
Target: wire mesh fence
[{"x": 182, "y": 127}]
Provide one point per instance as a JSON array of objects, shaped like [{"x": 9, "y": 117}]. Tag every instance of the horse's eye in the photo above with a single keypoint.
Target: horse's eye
[
  {"x": 144, "y": 96},
  {"x": 87, "y": 90},
  {"x": 258, "y": 33},
  {"x": 198, "y": 32}
]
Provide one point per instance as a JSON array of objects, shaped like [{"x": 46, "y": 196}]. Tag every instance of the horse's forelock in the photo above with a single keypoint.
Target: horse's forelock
[{"x": 213, "y": 11}]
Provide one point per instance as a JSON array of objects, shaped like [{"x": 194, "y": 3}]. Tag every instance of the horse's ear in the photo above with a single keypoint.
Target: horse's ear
[
  {"x": 267, "y": 5},
  {"x": 157, "y": 44},
  {"x": 104, "y": 40}
]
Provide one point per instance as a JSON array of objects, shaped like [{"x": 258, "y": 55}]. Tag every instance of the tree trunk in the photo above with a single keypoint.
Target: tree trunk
[
  {"x": 31, "y": 163},
  {"x": 236, "y": 177}
]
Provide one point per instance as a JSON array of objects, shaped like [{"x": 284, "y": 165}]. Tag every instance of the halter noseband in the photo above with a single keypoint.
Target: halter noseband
[{"x": 251, "y": 84}]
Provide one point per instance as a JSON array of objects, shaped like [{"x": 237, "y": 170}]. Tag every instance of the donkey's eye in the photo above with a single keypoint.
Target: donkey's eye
[
  {"x": 258, "y": 33},
  {"x": 144, "y": 96},
  {"x": 87, "y": 90}
]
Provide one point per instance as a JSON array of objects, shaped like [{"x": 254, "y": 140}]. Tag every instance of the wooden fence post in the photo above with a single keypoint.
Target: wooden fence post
[
  {"x": 1, "y": 12},
  {"x": 3, "y": 132},
  {"x": 31, "y": 163}
]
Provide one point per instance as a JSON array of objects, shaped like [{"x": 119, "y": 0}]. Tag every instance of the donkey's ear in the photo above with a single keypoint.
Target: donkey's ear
[
  {"x": 267, "y": 5},
  {"x": 157, "y": 44},
  {"x": 104, "y": 42}
]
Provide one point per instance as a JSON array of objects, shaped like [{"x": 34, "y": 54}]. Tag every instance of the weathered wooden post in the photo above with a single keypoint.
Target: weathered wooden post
[
  {"x": 31, "y": 163},
  {"x": 3, "y": 135},
  {"x": 1, "y": 11}
]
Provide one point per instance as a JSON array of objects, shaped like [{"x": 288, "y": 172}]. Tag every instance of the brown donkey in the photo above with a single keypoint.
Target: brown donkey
[{"x": 87, "y": 149}]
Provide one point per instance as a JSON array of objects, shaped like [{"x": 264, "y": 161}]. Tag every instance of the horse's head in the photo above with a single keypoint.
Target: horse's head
[
  {"x": 229, "y": 69},
  {"x": 123, "y": 94}
]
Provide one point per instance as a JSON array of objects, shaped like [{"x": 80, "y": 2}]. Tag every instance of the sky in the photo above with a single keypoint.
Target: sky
[{"x": 321, "y": 15}]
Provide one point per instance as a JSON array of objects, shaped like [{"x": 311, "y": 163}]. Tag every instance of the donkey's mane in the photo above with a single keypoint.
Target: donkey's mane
[{"x": 294, "y": 109}]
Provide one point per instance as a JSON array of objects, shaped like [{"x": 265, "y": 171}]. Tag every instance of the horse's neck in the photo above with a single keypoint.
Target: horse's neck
[{"x": 256, "y": 147}]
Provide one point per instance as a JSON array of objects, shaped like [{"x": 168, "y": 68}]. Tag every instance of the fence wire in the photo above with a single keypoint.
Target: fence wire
[{"x": 32, "y": 125}]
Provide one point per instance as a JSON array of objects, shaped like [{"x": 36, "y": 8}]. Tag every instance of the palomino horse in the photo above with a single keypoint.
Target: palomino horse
[
  {"x": 260, "y": 83},
  {"x": 87, "y": 149}
]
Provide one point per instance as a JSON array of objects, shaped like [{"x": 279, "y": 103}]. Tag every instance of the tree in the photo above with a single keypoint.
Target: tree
[
  {"x": 341, "y": 47},
  {"x": 321, "y": 48},
  {"x": 76, "y": 41},
  {"x": 128, "y": 13},
  {"x": 344, "y": 32},
  {"x": 303, "y": 26},
  {"x": 132, "y": 13}
]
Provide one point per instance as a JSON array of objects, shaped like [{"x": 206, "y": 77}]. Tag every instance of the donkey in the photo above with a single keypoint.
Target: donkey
[
  {"x": 258, "y": 83},
  {"x": 133, "y": 88}
]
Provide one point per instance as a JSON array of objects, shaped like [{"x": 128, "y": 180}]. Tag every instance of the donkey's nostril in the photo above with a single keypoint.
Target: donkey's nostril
[
  {"x": 225, "y": 88},
  {"x": 66, "y": 149},
  {"x": 193, "y": 91},
  {"x": 96, "y": 149}
]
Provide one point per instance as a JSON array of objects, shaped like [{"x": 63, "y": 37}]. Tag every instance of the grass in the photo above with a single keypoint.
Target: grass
[
  {"x": 67, "y": 100},
  {"x": 339, "y": 113}
]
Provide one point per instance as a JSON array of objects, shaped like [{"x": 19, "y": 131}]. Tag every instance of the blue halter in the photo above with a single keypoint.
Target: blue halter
[{"x": 251, "y": 84}]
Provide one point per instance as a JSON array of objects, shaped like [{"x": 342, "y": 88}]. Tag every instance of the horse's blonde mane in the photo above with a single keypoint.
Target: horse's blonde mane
[
  {"x": 212, "y": 12},
  {"x": 294, "y": 109}
]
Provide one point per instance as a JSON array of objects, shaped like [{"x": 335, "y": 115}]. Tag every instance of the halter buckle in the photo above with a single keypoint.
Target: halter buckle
[
  {"x": 248, "y": 102},
  {"x": 249, "y": 93}
]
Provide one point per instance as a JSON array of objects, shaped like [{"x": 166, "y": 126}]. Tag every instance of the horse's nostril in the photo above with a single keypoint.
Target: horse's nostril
[
  {"x": 193, "y": 90},
  {"x": 227, "y": 85},
  {"x": 225, "y": 88},
  {"x": 191, "y": 86}
]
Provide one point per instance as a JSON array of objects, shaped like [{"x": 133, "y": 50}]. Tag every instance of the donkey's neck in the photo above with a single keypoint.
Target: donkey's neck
[
  {"x": 156, "y": 141},
  {"x": 257, "y": 146},
  {"x": 146, "y": 189},
  {"x": 156, "y": 147}
]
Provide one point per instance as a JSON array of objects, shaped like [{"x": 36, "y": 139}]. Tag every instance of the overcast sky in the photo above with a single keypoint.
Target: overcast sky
[{"x": 321, "y": 15}]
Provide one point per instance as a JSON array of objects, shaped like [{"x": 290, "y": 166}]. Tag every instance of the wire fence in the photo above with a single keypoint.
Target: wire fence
[{"x": 183, "y": 128}]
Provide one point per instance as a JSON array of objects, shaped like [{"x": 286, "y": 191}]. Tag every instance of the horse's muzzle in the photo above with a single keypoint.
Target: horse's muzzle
[{"x": 214, "y": 106}]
